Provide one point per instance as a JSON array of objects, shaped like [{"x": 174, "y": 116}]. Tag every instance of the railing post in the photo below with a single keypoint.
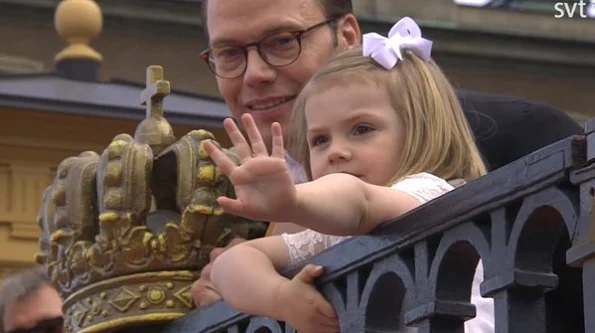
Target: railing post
[
  {"x": 429, "y": 311},
  {"x": 518, "y": 281},
  {"x": 582, "y": 252}
]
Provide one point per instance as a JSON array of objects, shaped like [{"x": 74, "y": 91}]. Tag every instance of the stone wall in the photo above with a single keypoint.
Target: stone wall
[
  {"x": 447, "y": 13},
  {"x": 128, "y": 47},
  {"x": 527, "y": 54}
]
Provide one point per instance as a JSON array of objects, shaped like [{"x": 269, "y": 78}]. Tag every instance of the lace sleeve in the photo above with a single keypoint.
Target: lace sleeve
[
  {"x": 423, "y": 186},
  {"x": 308, "y": 243}
]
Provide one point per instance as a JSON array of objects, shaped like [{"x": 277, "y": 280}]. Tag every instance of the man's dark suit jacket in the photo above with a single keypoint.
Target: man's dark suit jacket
[{"x": 506, "y": 129}]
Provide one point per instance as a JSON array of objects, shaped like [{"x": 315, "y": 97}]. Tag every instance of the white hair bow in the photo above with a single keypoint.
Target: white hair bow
[{"x": 404, "y": 35}]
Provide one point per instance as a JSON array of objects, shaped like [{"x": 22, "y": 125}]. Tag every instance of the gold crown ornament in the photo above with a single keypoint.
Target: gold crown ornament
[{"x": 125, "y": 233}]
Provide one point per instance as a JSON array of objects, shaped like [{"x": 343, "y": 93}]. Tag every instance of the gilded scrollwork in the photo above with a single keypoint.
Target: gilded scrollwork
[
  {"x": 125, "y": 233},
  {"x": 136, "y": 298}
]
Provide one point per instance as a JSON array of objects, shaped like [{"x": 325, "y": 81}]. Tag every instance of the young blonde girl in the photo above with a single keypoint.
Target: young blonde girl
[{"x": 379, "y": 131}]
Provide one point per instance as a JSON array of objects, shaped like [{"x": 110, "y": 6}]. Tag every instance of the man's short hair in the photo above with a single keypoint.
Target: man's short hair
[
  {"x": 332, "y": 9},
  {"x": 19, "y": 286}
]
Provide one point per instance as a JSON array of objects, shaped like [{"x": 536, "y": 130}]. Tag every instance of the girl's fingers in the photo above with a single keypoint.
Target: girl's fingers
[
  {"x": 327, "y": 310},
  {"x": 325, "y": 324},
  {"x": 237, "y": 139},
  {"x": 223, "y": 162},
  {"x": 278, "y": 150},
  {"x": 231, "y": 206},
  {"x": 258, "y": 146}
]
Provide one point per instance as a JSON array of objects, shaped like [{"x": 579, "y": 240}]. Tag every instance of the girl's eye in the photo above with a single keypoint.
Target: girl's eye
[
  {"x": 321, "y": 139},
  {"x": 362, "y": 129}
]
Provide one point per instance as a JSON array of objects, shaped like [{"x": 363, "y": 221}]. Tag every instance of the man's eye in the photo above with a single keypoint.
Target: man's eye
[{"x": 227, "y": 53}]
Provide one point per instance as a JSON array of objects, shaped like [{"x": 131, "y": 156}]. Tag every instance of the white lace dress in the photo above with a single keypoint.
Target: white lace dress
[{"x": 423, "y": 187}]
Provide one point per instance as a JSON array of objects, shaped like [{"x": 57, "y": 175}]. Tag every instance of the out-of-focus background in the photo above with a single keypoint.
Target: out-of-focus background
[{"x": 52, "y": 106}]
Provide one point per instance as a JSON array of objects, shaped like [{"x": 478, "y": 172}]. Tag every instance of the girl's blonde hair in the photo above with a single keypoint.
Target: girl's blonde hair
[{"x": 437, "y": 137}]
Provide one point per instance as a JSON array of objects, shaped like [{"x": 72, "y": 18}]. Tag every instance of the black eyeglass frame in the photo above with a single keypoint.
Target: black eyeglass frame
[{"x": 205, "y": 55}]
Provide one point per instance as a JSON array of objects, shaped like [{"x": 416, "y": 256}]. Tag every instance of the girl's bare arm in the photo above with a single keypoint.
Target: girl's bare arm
[
  {"x": 246, "y": 275},
  {"x": 341, "y": 204}
]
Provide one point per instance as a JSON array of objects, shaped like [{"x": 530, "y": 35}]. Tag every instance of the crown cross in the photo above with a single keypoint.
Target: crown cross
[{"x": 156, "y": 90}]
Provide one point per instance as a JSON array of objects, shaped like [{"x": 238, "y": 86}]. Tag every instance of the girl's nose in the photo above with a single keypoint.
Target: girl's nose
[{"x": 339, "y": 153}]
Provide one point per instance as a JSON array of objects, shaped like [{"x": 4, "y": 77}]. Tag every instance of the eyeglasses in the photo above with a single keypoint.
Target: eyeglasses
[
  {"x": 52, "y": 325},
  {"x": 278, "y": 50}
]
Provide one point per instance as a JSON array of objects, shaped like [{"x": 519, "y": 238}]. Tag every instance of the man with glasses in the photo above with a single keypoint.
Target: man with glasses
[
  {"x": 264, "y": 51},
  {"x": 262, "y": 54},
  {"x": 29, "y": 303}
]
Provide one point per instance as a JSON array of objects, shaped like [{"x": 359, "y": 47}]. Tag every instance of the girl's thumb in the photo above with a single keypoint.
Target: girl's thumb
[{"x": 309, "y": 273}]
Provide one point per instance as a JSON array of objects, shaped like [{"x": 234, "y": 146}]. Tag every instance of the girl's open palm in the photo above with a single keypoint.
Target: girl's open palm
[{"x": 263, "y": 183}]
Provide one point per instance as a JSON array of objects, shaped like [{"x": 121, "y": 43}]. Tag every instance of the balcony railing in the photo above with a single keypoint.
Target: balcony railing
[{"x": 531, "y": 223}]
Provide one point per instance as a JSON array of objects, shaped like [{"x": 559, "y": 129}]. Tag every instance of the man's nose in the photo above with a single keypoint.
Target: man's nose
[{"x": 258, "y": 71}]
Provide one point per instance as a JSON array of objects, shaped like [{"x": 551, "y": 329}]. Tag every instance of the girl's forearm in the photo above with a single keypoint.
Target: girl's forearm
[
  {"x": 248, "y": 281},
  {"x": 343, "y": 205},
  {"x": 334, "y": 204}
]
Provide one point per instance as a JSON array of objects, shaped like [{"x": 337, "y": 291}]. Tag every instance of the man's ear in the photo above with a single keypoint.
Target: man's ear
[{"x": 348, "y": 32}]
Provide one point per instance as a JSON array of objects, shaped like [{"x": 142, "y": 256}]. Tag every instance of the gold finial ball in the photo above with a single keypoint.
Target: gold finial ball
[
  {"x": 78, "y": 19},
  {"x": 78, "y": 22}
]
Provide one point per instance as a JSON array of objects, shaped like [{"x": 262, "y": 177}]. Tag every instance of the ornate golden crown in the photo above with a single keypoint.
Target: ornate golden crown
[{"x": 125, "y": 233}]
